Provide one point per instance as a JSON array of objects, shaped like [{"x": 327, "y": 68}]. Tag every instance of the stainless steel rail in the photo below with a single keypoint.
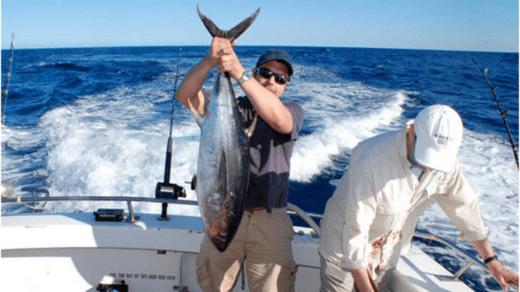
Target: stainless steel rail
[
  {"x": 471, "y": 259},
  {"x": 128, "y": 200}
]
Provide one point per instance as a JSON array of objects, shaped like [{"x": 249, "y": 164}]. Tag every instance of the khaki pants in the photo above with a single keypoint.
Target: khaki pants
[
  {"x": 334, "y": 279},
  {"x": 265, "y": 240}
]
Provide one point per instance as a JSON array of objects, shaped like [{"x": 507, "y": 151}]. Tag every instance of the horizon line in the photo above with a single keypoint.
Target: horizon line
[{"x": 286, "y": 46}]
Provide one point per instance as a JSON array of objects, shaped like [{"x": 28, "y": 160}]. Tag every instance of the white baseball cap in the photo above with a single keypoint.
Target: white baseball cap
[{"x": 438, "y": 132}]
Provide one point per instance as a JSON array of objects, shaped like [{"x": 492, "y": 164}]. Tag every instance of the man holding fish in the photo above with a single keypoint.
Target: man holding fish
[{"x": 265, "y": 232}]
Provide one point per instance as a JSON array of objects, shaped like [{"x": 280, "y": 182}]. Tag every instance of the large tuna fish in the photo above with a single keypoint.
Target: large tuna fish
[{"x": 223, "y": 163}]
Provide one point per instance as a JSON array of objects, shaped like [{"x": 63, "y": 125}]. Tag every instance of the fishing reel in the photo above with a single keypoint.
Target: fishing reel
[{"x": 168, "y": 191}]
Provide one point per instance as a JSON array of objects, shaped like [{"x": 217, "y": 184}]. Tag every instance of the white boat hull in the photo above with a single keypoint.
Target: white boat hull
[{"x": 73, "y": 252}]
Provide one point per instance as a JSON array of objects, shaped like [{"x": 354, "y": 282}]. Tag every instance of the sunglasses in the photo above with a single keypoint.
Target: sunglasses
[{"x": 266, "y": 73}]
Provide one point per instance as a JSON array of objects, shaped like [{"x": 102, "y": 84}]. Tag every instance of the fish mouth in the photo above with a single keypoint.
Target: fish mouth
[{"x": 219, "y": 238}]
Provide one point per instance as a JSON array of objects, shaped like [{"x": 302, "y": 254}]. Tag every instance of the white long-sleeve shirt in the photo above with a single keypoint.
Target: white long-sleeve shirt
[{"x": 372, "y": 215}]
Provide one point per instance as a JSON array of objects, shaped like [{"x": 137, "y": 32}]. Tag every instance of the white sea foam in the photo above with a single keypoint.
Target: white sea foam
[
  {"x": 96, "y": 148},
  {"x": 488, "y": 164},
  {"x": 334, "y": 131}
]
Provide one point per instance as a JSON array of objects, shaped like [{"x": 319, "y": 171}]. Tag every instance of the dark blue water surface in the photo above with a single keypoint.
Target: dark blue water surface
[{"x": 47, "y": 78}]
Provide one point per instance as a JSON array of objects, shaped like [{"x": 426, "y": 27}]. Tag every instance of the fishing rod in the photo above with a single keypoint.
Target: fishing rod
[
  {"x": 502, "y": 112},
  {"x": 169, "y": 152},
  {"x": 165, "y": 189},
  {"x": 7, "y": 76}
]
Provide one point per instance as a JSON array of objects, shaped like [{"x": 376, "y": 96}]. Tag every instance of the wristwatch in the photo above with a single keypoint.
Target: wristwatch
[
  {"x": 490, "y": 259},
  {"x": 244, "y": 78}
]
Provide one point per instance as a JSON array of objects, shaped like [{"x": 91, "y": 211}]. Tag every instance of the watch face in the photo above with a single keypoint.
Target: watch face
[{"x": 244, "y": 78}]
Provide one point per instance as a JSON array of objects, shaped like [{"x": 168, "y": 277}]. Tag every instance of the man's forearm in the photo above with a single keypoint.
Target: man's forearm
[
  {"x": 484, "y": 248},
  {"x": 194, "y": 81},
  {"x": 269, "y": 107}
]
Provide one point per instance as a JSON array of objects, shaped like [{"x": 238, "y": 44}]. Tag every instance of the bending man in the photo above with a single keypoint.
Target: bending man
[{"x": 370, "y": 220}]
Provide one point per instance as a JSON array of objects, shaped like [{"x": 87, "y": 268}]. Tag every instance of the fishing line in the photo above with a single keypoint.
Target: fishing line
[
  {"x": 7, "y": 76},
  {"x": 165, "y": 189},
  {"x": 502, "y": 113}
]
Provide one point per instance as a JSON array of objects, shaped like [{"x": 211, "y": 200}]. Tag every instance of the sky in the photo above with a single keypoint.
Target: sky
[{"x": 461, "y": 25}]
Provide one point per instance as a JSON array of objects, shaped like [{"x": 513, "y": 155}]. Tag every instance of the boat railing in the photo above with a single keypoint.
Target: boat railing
[
  {"x": 471, "y": 260},
  {"x": 128, "y": 200},
  {"x": 292, "y": 209}
]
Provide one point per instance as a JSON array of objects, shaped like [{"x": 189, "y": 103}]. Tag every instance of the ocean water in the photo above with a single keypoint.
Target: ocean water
[{"x": 95, "y": 122}]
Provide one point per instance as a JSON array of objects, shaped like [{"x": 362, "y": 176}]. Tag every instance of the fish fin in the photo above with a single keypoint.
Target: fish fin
[
  {"x": 195, "y": 114},
  {"x": 231, "y": 34},
  {"x": 251, "y": 129},
  {"x": 207, "y": 98},
  {"x": 194, "y": 182}
]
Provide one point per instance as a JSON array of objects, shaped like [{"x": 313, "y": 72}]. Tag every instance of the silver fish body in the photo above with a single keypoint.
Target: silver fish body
[{"x": 223, "y": 163}]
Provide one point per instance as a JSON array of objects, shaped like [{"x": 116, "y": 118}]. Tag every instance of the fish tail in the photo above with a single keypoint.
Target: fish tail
[{"x": 231, "y": 34}]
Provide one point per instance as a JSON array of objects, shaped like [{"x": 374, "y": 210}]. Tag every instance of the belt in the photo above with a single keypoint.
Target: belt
[{"x": 254, "y": 209}]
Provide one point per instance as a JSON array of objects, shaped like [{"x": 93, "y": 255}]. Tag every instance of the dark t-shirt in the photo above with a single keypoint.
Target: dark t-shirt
[{"x": 270, "y": 157}]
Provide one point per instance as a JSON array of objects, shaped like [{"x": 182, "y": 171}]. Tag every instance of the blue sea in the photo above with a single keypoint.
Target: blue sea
[{"x": 95, "y": 122}]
